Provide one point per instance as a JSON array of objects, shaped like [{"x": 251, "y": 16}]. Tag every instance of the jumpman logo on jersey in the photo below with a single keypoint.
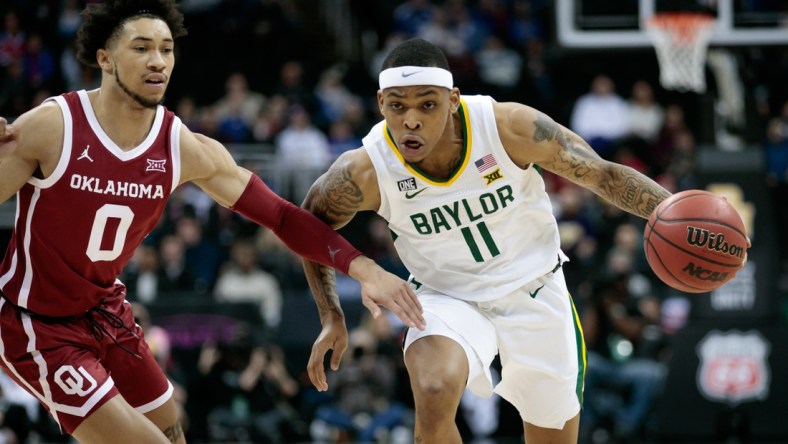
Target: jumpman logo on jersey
[
  {"x": 333, "y": 253},
  {"x": 85, "y": 154}
]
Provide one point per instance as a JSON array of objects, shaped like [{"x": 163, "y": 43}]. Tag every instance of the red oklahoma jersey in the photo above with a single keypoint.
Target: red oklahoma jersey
[{"x": 77, "y": 229}]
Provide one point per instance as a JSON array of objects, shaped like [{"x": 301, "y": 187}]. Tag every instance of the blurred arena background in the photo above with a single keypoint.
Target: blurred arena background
[{"x": 288, "y": 85}]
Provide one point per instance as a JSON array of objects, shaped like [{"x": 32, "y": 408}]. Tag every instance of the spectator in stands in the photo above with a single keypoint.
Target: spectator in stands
[
  {"x": 411, "y": 15},
  {"x": 672, "y": 126},
  {"x": 19, "y": 412},
  {"x": 623, "y": 367},
  {"x": 776, "y": 146},
  {"x": 202, "y": 254},
  {"x": 176, "y": 276},
  {"x": 271, "y": 120},
  {"x": 439, "y": 32},
  {"x": 242, "y": 280},
  {"x": 69, "y": 20},
  {"x": 157, "y": 338},
  {"x": 239, "y": 102},
  {"x": 281, "y": 262},
  {"x": 302, "y": 151},
  {"x": 361, "y": 392},
  {"x": 500, "y": 68},
  {"x": 292, "y": 86},
  {"x": 186, "y": 108},
  {"x": 646, "y": 115},
  {"x": 333, "y": 97},
  {"x": 341, "y": 138},
  {"x": 142, "y": 274},
  {"x": 524, "y": 25},
  {"x": 273, "y": 397},
  {"x": 382, "y": 248},
  {"x": 600, "y": 116},
  {"x": 38, "y": 62},
  {"x": 14, "y": 90},
  {"x": 12, "y": 39},
  {"x": 466, "y": 24},
  {"x": 495, "y": 15}
]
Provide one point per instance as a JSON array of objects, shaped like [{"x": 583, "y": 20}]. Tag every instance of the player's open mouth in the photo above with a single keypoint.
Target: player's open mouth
[
  {"x": 410, "y": 143},
  {"x": 156, "y": 80}
]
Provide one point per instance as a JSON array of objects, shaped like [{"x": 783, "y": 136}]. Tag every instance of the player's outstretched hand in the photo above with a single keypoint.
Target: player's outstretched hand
[
  {"x": 379, "y": 288},
  {"x": 9, "y": 138},
  {"x": 333, "y": 336}
]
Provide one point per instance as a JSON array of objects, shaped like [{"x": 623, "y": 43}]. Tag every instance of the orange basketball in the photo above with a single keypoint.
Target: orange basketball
[{"x": 695, "y": 241}]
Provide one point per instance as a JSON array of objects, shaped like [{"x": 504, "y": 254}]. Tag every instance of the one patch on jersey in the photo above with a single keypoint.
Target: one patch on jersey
[
  {"x": 156, "y": 165},
  {"x": 408, "y": 184},
  {"x": 492, "y": 177}
]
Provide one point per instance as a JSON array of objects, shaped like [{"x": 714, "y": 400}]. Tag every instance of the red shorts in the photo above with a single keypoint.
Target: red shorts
[{"x": 71, "y": 372}]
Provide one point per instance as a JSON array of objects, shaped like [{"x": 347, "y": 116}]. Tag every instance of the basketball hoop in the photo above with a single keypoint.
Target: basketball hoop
[{"x": 681, "y": 40}]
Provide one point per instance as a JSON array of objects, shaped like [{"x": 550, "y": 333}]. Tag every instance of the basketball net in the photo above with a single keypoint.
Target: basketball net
[{"x": 681, "y": 40}]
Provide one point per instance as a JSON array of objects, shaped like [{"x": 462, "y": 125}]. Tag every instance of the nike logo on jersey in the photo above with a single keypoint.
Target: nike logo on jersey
[
  {"x": 85, "y": 154},
  {"x": 333, "y": 253},
  {"x": 412, "y": 195},
  {"x": 408, "y": 74},
  {"x": 533, "y": 293}
]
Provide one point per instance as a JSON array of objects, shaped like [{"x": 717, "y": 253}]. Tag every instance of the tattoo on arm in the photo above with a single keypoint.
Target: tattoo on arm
[
  {"x": 335, "y": 200},
  {"x": 578, "y": 162},
  {"x": 174, "y": 432},
  {"x": 338, "y": 196},
  {"x": 323, "y": 283},
  {"x": 633, "y": 191}
]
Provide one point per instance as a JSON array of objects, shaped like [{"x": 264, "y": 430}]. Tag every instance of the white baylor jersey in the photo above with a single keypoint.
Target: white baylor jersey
[{"x": 478, "y": 235}]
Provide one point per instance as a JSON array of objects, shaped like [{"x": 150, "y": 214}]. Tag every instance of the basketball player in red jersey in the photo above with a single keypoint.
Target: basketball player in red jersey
[{"x": 92, "y": 172}]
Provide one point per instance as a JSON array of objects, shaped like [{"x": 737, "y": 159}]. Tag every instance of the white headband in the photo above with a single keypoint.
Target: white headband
[{"x": 415, "y": 75}]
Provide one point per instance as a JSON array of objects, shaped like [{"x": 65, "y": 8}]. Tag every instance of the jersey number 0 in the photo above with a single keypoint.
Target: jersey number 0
[{"x": 121, "y": 212}]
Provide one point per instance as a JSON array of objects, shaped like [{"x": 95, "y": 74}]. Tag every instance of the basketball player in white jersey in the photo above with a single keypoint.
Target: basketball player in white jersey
[
  {"x": 92, "y": 171},
  {"x": 458, "y": 180}
]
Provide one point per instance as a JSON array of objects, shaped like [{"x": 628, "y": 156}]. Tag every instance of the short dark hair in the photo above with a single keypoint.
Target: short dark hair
[
  {"x": 416, "y": 52},
  {"x": 102, "y": 21}
]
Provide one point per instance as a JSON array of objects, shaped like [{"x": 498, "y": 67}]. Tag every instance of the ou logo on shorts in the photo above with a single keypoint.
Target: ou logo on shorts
[{"x": 72, "y": 382}]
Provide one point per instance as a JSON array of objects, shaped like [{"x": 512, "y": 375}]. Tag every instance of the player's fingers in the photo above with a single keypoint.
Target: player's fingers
[
  {"x": 8, "y": 132},
  {"x": 372, "y": 307},
  {"x": 413, "y": 299},
  {"x": 407, "y": 314},
  {"x": 317, "y": 373},
  {"x": 413, "y": 308},
  {"x": 336, "y": 358}
]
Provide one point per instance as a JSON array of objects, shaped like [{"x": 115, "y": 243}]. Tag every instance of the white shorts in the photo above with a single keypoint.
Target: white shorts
[{"x": 536, "y": 331}]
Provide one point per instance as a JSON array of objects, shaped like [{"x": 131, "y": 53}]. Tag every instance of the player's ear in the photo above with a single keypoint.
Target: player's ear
[
  {"x": 454, "y": 98},
  {"x": 380, "y": 101},
  {"x": 103, "y": 59}
]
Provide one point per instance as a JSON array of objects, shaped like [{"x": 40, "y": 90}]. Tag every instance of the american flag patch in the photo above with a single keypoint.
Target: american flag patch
[{"x": 485, "y": 163}]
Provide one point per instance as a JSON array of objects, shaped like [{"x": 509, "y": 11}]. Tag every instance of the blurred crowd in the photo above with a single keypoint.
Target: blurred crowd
[{"x": 286, "y": 108}]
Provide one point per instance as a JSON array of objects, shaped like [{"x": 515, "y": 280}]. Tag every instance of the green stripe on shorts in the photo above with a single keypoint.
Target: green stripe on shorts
[{"x": 581, "y": 352}]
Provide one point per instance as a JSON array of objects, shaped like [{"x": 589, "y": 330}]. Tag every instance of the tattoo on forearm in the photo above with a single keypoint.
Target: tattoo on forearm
[
  {"x": 174, "y": 432},
  {"x": 322, "y": 282},
  {"x": 634, "y": 192},
  {"x": 621, "y": 185}
]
